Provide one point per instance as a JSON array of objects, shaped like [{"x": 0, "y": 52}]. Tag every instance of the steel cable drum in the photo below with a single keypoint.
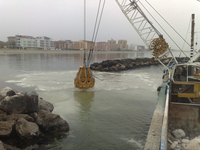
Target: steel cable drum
[
  {"x": 158, "y": 47},
  {"x": 84, "y": 79}
]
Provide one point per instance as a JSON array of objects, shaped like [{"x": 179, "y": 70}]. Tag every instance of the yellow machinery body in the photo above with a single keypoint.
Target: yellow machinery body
[
  {"x": 192, "y": 92},
  {"x": 84, "y": 79}
]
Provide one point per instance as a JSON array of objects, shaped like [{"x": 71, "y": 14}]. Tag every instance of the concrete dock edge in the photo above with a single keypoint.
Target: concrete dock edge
[{"x": 154, "y": 139}]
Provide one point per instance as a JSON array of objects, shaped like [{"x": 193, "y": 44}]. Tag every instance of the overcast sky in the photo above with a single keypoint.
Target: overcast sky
[{"x": 64, "y": 19}]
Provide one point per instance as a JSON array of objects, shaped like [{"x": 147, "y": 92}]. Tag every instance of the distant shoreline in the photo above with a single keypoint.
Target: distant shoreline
[
  {"x": 10, "y": 51},
  {"x": 36, "y": 51}
]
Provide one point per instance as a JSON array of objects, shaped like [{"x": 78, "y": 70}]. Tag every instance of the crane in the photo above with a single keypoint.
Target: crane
[
  {"x": 146, "y": 30},
  {"x": 84, "y": 78},
  {"x": 182, "y": 87}
]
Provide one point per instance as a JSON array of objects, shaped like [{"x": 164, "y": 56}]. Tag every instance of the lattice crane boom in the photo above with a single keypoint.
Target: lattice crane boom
[
  {"x": 138, "y": 20},
  {"x": 145, "y": 29}
]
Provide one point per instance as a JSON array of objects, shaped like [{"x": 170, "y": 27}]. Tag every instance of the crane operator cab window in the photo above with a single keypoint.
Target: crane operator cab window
[
  {"x": 194, "y": 73},
  {"x": 180, "y": 73}
]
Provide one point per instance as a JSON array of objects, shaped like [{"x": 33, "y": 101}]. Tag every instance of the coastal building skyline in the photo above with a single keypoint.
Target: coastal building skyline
[{"x": 46, "y": 43}]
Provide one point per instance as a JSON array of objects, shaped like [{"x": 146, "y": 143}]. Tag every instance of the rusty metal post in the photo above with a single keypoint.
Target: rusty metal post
[{"x": 192, "y": 37}]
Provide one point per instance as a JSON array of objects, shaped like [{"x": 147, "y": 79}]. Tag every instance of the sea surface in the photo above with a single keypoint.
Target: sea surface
[{"x": 114, "y": 115}]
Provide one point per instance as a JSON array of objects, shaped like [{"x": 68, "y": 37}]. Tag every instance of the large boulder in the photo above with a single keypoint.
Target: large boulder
[
  {"x": 34, "y": 101},
  {"x": 174, "y": 145},
  {"x": 122, "y": 67},
  {"x": 94, "y": 65},
  {"x": 178, "y": 133},
  {"x": 105, "y": 63},
  {"x": 99, "y": 67},
  {"x": 3, "y": 116},
  {"x": 2, "y": 146},
  {"x": 7, "y": 91},
  {"x": 6, "y": 128},
  {"x": 44, "y": 105},
  {"x": 19, "y": 104},
  {"x": 28, "y": 116},
  {"x": 18, "y": 116},
  {"x": 52, "y": 123},
  {"x": 10, "y": 147},
  {"x": 112, "y": 63},
  {"x": 26, "y": 129},
  {"x": 112, "y": 68},
  {"x": 194, "y": 144}
]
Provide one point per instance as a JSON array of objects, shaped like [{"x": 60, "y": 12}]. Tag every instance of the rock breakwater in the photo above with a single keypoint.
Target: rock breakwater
[
  {"x": 26, "y": 120},
  {"x": 127, "y": 64}
]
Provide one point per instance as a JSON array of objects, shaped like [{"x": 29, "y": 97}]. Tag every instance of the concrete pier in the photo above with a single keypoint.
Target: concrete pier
[{"x": 157, "y": 131}]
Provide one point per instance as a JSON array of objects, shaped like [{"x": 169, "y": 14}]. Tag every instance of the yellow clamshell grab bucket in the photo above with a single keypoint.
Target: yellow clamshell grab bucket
[{"x": 84, "y": 79}]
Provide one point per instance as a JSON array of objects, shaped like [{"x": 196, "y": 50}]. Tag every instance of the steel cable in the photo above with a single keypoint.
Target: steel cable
[{"x": 161, "y": 26}]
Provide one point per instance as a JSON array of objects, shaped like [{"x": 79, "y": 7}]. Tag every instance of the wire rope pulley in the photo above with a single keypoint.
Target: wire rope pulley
[
  {"x": 84, "y": 79},
  {"x": 158, "y": 46}
]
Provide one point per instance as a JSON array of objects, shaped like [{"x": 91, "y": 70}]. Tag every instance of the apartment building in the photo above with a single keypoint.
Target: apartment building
[
  {"x": 67, "y": 44},
  {"x": 11, "y": 38},
  {"x": 137, "y": 47},
  {"x": 45, "y": 43},
  {"x": 2, "y": 44},
  {"x": 140, "y": 47},
  {"x": 59, "y": 44},
  {"x": 87, "y": 45},
  {"x": 78, "y": 45},
  {"x": 11, "y": 42},
  {"x": 113, "y": 46},
  {"x": 132, "y": 47},
  {"x": 29, "y": 42},
  {"x": 122, "y": 44},
  {"x": 25, "y": 42},
  {"x": 102, "y": 46}
]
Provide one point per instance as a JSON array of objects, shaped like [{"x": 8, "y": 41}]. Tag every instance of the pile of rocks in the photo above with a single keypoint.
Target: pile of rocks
[
  {"x": 177, "y": 140},
  {"x": 126, "y": 64},
  {"x": 122, "y": 64},
  {"x": 26, "y": 118}
]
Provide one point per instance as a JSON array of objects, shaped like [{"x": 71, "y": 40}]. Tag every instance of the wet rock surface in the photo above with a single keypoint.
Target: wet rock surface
[
  {"x": 127, "y": 64},
  {"x": 27, "y": 121}
]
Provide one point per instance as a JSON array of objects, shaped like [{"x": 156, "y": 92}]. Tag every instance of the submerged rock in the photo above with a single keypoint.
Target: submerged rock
[{"x": 51, "y": 123}]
